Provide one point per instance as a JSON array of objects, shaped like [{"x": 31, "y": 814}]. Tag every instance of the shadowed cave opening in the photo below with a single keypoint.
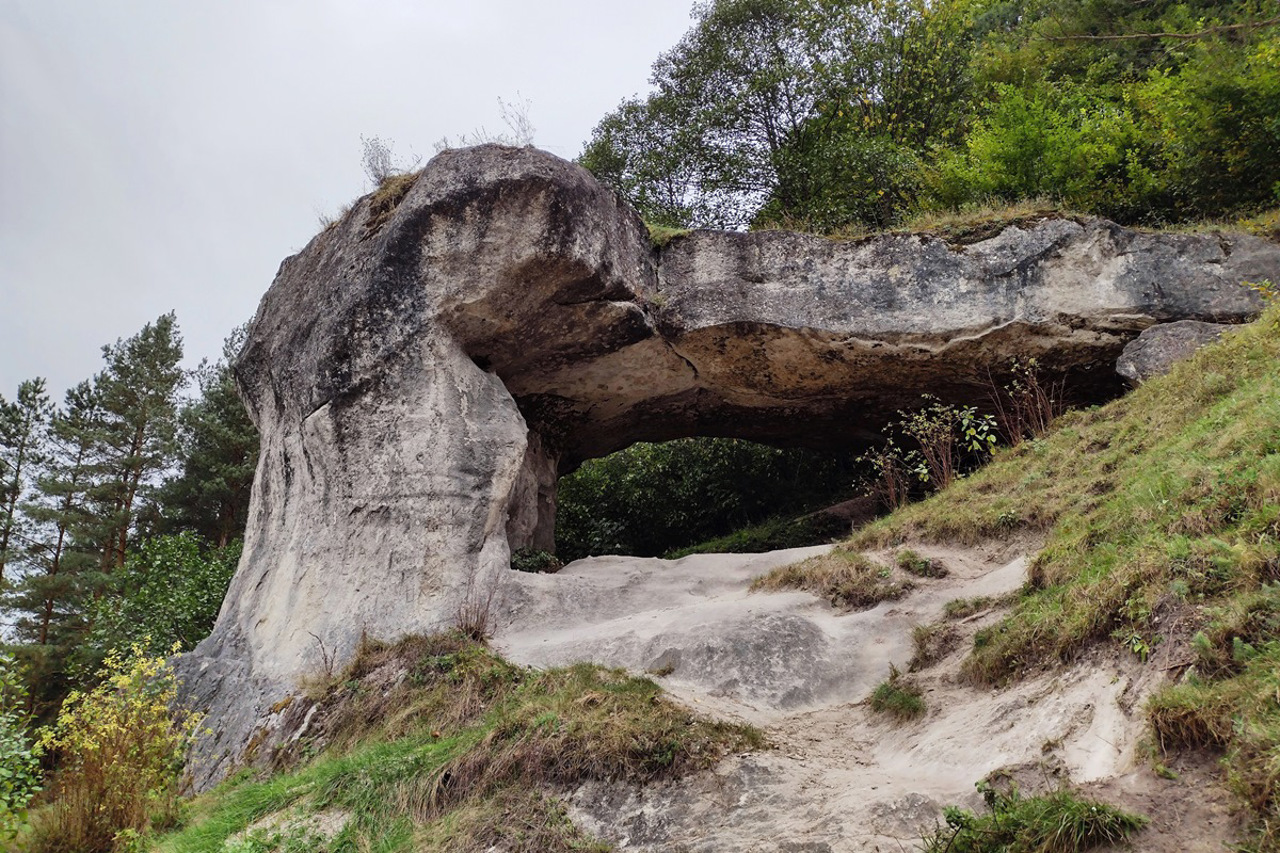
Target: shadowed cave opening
[
  {"x": 811, "y": 483},
  {"x": 660, "y": 499}
]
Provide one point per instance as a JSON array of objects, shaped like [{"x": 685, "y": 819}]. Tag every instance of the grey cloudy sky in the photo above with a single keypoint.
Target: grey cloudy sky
[{"x": 168, "y": 154}]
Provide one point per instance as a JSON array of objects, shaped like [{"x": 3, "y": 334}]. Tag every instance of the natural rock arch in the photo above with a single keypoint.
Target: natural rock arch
[{"x": 426, "y": 367}]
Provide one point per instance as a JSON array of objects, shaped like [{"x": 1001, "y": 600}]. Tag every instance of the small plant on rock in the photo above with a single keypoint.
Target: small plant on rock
[
  {"x": 897, "y": 697},
  {"x": 922, "y": 567}
]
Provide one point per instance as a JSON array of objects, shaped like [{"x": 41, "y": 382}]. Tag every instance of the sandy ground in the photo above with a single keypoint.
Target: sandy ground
[{"x": 840, "y": 777}]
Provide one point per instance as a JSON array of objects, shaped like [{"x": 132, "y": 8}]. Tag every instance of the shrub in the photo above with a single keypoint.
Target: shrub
[
  {"x": 19, "y": 762},
  {"x": 120, "y": 753},
  {"x": 1027, "y": 406},
  {"x": 947, "y": 436},
  {"x": 168, "y": 591}
]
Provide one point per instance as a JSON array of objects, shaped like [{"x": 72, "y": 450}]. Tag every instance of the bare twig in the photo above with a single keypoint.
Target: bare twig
[{"x": 326, "y": 656}]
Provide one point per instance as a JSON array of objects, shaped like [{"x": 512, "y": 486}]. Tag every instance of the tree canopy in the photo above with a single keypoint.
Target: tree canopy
[{"x": 822, "y": 115}]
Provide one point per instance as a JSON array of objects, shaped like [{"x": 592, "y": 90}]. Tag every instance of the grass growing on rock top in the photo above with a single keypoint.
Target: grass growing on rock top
[
  {"x": 846, "y": 578},
  {"x": 436, "y": 743}
]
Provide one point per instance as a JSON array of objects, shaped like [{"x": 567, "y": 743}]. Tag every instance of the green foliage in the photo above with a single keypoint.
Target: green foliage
[
  {"x": 135, "y": 432},
  {"x": 651, "y": 499},
  {"x": 897, "y": 697},
  {"x": 826, "y": 115},
  {"x": 22, "y": 449},
  {"x": 19, "y": 760},
  {"x": 119, "y": 752},
  {"x": 167, "y": 593},
  {"x": 1060, "y": 822},
  {"x": 949, "y": 441},
  {"x": 219, "y": 453},
  {"x": 773, "y": 535},
  {"x": 533, "y": 560},
  {"x": 814, "y": 111}
]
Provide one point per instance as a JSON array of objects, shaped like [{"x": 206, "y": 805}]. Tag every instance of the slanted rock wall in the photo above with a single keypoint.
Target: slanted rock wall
[{"x": 424, "y": 369}]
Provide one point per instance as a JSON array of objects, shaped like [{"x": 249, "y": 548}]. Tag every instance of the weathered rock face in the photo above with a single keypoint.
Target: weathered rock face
[
  {"x": 1159, "y": 348},
  {"x": 419, "y": 382}
]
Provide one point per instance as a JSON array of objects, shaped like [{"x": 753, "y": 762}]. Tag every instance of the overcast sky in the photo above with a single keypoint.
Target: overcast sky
[{"x": 162, "y": 155}]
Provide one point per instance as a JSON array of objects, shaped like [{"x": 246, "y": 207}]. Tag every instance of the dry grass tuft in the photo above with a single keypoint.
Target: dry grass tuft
[
  {"x": 931, "y": 643},
  {"x": 386, "y": 198},
  {"x": 848, "y": 579}
]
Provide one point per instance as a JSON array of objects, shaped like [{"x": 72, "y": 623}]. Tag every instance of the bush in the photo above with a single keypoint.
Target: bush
[
  {"x": 168, "y": 591},
  {"x": 19, "y": 762},
  {"x": 120, "y": 752}
]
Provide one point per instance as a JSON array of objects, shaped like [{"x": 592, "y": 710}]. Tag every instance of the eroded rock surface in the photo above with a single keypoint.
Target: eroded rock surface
[{"x": 425, "y": 368}]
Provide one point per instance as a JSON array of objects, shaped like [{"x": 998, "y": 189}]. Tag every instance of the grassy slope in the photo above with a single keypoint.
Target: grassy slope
[
  {"x": 438, "y": 744},
  {"x": 1161, "y": 507}
]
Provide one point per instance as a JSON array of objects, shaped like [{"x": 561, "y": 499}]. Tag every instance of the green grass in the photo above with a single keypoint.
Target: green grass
[
  {"x": 922, "y": 567},
  {"x": 1060, "y": 822},
  {"x": 462, "y": 751},
  {"x": 1170, "y": 495},
  {"x": 661, "y": 235},
  {"x": 897, "y": 697},
  {"x": 1160, "y": 508},
  {"x": 772, "y": 535},
  {"x": 846, "y": 578},
  {"x": 963, "y": 608},
  {"x": 1230, "y": 702}
]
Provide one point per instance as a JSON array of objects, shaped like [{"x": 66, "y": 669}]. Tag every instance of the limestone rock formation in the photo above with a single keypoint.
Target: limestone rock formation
[
  {"x": 425, "y": 368},
  {"x": 1159, "y": 348}
]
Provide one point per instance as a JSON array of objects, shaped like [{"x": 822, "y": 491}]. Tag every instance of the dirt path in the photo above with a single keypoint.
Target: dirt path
[{"x": 841, "y": 778}]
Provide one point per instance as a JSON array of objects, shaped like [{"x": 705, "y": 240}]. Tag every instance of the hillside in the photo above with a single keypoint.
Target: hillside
[{"x": 1139, "y": 647}]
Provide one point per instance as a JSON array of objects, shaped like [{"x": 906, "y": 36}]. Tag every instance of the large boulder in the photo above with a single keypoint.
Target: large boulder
[
  {"x": 1155, "y": 351},
  {"x": 424, "y": 370}
]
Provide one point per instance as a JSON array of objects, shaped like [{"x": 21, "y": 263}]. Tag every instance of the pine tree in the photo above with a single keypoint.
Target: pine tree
[
  {"x": 219, "y": 452},
  {"x": 22, "y": 436},
  {"x": 60, "y": 569},
  {"x": 138, "y": 395}
]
